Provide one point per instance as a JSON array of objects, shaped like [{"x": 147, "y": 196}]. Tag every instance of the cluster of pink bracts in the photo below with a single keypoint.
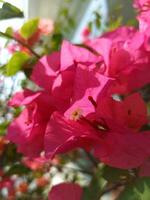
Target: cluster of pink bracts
[{"x": 88, "y": 99}]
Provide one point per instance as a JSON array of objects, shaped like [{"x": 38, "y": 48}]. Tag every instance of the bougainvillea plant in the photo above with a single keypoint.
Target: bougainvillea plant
[{"x": 80, "y": 125}]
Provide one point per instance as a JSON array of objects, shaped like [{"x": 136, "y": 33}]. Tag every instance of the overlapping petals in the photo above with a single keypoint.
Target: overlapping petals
[
  {"x": 88, "y": 99},
  {"x": 112, "y": 131}
]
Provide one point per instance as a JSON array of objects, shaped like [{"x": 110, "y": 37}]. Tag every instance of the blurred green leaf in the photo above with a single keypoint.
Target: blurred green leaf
[
  {"x": 9, "y": 31},
  {"x": 3, "y": 127},
  {"x": 16, "y": 63},
  {"x": 29, "y": 28},
  {"x": 139, "y": 190},
  {"x": 2, "y": 69},
  {"x": 115, "y": 23},
  {"x": 94, "y": 190},
  {"x": 18, "y": 169},
  {"x": 9, "y": 11},
  {"x": 113, "y": 174}
]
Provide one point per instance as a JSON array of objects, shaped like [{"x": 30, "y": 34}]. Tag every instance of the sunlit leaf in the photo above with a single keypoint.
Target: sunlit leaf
[
  {"x": 29, "y": 28},
  {"x": 139, "y": 190},
  {"x": 16, "y": 63}
]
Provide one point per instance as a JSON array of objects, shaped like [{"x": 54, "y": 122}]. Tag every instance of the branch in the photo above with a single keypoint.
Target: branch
[
  {"x": 92, "y": 159},
  {"x": 20, "y": 42},
  {"x": 88, "y": 48},
  {"x": 110, "y": 189}
]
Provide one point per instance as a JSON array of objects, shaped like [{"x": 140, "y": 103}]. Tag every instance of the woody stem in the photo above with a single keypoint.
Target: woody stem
[{"x": 20, "y": 42}]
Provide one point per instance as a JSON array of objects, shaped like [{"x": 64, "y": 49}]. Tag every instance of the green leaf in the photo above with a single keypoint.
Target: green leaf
[
  {"x": 92, "y": 192},
  {"x": 16, "y": 63},
  {"x": 139, "y": 190},
  {"x": 29, "y": 28},
  {"x": 3, "y": 127},
  {"x": 113, "y": 174},
  {"x": 9, "y": 31},
  {"x": 18, "y": 169},
  {"x": 9, "y": 11}
]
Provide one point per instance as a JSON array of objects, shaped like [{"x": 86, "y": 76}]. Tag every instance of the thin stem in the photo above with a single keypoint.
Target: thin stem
[
  {"x": 20, "y": 42},
  {"x": 113, "y": 187},
  {"x": 92, "y": 159},
  {"x": 88, "y": 48}
]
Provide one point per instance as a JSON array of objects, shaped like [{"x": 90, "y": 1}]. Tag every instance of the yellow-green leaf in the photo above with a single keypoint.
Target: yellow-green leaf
[
  {"x": 29, "y": 28},
  {"x": 16, "y": 63}
]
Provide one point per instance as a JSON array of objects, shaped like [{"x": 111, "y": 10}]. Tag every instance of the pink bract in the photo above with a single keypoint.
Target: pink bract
[
  {"x": 66, "y": 191},
  {"x": 110, "y": 131}
]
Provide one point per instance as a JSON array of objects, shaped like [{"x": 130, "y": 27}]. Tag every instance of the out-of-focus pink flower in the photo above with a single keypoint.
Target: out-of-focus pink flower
[
  {"x": 85, "y": 34},
  {"x": 9, "y": 185},
  {"x": 65, "y": 191},
  {"x": 22, "y": 187},
  {"x": 13, "y": 47},
  {"x": 142, "y": 5},
  {"x": 46, "y": 26},
  {"x": 144, "y": 22},
  {"x": 34, "y": 164},
  {"x": 42, "y": 181}
]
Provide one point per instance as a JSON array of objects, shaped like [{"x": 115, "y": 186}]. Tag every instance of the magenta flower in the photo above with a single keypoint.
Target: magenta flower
[
  {"x": 66, "y": 191},
  {"x": 62, "y": 89},
  {"x": 27, "y": 129},
  {"x": 142, "y": 5},
  {"x": 111, "y": 131},
  {"x": 124, "y": 59}
]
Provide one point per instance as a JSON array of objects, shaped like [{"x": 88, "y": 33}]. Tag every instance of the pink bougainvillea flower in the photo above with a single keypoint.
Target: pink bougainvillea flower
[
  {"x": 71, "y": 54},
  {"x": 144, "y": 169},
  {"x": 48, "y": 68},
  {"x": 121, "y": 34},
  {"x": 92, "y": 84},
  {"x": 63, "y": 135},
  {"x": 125, "y": 113},
  {"x": 61, "y": 73},
  {"x": 65, "y": 191},
  {"x": 23, "y": 98},
  {"x": 53, "y": 65},
  {"x": 61, "y": 88},
  {"x": 142, "y": 5},
  {"x": 144, "y": 22},
  {"x": 110, "y": 131},
  {"x": 124, "y": 59},
  {"x": 27, "y": 130}
]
